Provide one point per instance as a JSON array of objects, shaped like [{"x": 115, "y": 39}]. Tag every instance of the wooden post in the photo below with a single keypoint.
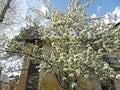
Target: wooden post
[
  {"x": 12, "y": 85},
  {"x": 23, "y": 76},
  {"x": 1, "y": 85},
  {"x": 24, "y": 72}
]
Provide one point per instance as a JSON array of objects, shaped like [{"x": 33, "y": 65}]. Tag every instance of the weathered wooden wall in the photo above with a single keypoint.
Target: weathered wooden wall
[
  {"x": 117, "y": 84},
  {"x": 48, "y": 82}
]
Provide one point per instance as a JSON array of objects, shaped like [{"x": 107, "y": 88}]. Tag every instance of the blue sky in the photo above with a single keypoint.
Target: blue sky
[{"x": 100, "y": 7}]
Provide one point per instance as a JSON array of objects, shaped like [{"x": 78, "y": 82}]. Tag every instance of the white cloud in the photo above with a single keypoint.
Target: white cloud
[
  {"x": 94, "y": 15},
  {"x": 43, "y": 9},
  {"x": 37, "y": 4},
  {"x": 106, "y": 19},
  {"x": 99, "y": 8},
  {"x": 117, "y": 13}
]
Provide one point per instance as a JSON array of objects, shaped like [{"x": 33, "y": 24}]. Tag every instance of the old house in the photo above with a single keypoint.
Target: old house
[{"x": 31, "y": 79}]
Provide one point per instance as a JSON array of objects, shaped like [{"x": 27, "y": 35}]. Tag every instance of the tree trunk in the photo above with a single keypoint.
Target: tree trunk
[{"x": 7, "y": 6}]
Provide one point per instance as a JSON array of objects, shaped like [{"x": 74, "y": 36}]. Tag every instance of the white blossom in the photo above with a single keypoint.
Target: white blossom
[
  {"x": 118, "y": 76},
  {"x": 73, "y": 84},
  {"x": 86, "y": 76},
  {"x": 71, "y": 75},
  {"x": 64, "y": 78},
  {"x": 106, "y": 66}
]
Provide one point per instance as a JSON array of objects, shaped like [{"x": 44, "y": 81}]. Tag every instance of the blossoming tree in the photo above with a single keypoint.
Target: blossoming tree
[{"x": 76, "y": 43}]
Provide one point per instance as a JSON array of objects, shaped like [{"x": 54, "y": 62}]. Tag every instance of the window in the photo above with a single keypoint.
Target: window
[
  {"x": 33, "y": 76},
  {"x": 108, "y": 85}
]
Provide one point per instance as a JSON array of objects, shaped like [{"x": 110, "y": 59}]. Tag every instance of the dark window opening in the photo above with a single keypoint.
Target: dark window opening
[
  {"x": 108, "y": 85},
  {"x": 33, "y": 77}
]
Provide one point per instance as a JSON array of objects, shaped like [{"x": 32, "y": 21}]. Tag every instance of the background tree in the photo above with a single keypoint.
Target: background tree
[
  {"x": 77, "y": 44},
  {"x": 10, "y": 17},
  {"x": 4, "y": 9}
]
